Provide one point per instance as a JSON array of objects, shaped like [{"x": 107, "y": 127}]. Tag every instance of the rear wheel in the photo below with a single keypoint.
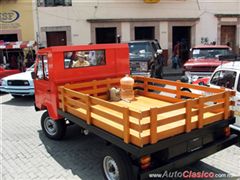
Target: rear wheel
[
  {"x": 54, "y": 129},
  {"x": 116, "y": 165}
]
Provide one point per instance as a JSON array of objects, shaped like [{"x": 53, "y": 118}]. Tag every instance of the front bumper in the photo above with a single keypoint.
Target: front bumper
[
  {"x": 23, "y": 91},
  {"x": 189, "y": 158},
  {"x": 145, "y": 74}
]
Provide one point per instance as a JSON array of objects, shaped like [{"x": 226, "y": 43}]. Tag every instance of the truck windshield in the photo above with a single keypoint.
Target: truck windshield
[
  {"x": 140, "y": 50},
  {"x": 205, "y": 53}
]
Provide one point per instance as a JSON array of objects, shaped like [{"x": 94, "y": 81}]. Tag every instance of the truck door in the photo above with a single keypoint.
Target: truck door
[{"x": 41, "y": 83}]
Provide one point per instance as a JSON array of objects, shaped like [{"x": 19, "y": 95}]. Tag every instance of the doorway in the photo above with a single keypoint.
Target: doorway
[
  {"x": 106, "y": 35},
  {"x": 183, "y": 35},
  {"x": 144, "y": 33},
  {"x": 228, "y": 36},
  {"x": 56, "y": 38},
  {"x": 9, "y": 37}
]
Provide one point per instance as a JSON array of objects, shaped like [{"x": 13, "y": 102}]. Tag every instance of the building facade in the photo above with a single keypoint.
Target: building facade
[
  {"x": 16, "y": 20},
  {"x": 61, "y": 22}
]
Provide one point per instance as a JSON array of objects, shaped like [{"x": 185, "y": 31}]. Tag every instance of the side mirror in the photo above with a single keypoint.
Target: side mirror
[
  {"x": 159, "y": 51},
  {"x": 33, "y": 74}
]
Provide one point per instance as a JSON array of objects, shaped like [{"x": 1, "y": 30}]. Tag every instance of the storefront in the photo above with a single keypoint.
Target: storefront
[{"x": 16, "y": 21}]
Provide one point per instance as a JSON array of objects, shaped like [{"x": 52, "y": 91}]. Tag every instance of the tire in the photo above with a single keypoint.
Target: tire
[
  {"x": 53, "y": 129},
  {"x": 116, "y": 165}
]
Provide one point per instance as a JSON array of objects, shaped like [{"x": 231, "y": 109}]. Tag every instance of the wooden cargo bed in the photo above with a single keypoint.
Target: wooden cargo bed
[{"x": 151, "y": 116}]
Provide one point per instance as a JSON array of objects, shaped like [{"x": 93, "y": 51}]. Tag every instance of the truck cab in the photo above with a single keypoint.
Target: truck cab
[
  {"x": 55, "y": 66},
  {"x": 204, "y": 60},
  {"x": 146, "y": 58}
]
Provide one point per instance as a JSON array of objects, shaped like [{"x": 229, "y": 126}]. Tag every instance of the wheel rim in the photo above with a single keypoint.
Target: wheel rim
[
  {"x": 110, "y": 168},
  {"x": 50, "y": 126}
]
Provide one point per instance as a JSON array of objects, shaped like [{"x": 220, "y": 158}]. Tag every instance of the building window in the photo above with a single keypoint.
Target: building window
[{"x": 52, "y": 3}]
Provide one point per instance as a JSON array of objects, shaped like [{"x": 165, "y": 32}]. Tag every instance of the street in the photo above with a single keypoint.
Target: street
[{"x": 28, "y": 154}]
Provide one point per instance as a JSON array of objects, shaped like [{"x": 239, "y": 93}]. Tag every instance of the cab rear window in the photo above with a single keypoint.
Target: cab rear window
[{"x": 83, "y": 59}]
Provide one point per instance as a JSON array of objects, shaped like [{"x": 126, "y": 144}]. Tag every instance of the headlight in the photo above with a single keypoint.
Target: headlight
[{"x": 3, "y": 82}]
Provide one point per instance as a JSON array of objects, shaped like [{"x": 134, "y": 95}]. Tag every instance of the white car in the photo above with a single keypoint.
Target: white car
[
  {"x": 228, "y": 76},
  {"x": 20, "y": 84}
]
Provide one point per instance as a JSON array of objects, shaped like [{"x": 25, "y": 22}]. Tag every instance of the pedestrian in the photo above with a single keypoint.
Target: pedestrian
[{"x": 176, "y": 61}]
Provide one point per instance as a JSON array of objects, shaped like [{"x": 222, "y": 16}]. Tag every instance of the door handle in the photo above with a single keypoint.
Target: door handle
[{"x": 48, "y": 90}]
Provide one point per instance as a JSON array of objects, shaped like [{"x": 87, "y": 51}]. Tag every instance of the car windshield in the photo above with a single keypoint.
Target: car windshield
[
  {"x": 140, "y": 50},
  {"x": 205, "y": 53},
  {"x": 224, "y": 79}
]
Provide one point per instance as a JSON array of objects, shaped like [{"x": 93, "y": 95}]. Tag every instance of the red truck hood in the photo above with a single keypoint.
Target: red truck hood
[
  {"x": 7, "y": 72},
  {"x": 202, "y": 64}
]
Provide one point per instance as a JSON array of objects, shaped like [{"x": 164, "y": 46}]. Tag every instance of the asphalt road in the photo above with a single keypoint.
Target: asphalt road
[{"x": 27, "y": 154}]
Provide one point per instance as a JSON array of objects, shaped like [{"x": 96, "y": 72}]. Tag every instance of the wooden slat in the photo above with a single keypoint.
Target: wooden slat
[
  {"x": 106, "y": 115},
  {"x": 76, "y": 112},
  {"x": 188, "y": 116},
  {"x": 88, "y": 109},
  {"x": 104, "y": 97},
  {"x": 73, "y": 93},
  {"x": 171, "y": 107},
  {"x": 159, "y": 97},
  {"x": 188, "y": 94},
  {"x": 171, "y": 119},
  {"x": 95, "y": 91},
  {"x": 106, "y": 104},
  {"x": 213, "y": 97},
  {"x": 200, "y": 113},
  {"x": 213, "y": 107},
  {"x": 227, "y": 104},
  {"x": 214, "y": 118},
  {"x": 107, "y": 127},
  {"x": 171, "y": 132},
  {"x": 75, "y": 103},
  {"x": 162, "y": 89},
  {"x": 178, "y": 91},
  {"x": 90, "y": 84},
  {"x": 126, "y": 130},
  {"x": 63, "y": 99},
  {"x": 153, "y": 125}
]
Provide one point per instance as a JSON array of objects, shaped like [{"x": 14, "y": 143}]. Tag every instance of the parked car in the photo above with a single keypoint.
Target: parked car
[
  {"x": 204, "y": 60},
  {"x": 146, "y": 58},
  {"x": 228, "y": 76},
  {"x": 20, "y": 84}
]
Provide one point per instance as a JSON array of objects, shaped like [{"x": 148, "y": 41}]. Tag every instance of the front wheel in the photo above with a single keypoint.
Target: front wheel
[
  {"x": 116, "y": 165},
  {"x": 53, "y": 129}
]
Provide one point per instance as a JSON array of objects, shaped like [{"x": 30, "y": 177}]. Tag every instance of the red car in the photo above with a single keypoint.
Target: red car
[{"x": 204, "y": 60}]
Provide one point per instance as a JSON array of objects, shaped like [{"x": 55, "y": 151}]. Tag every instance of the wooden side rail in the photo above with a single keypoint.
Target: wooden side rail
[{"x": 140, "y": 127}]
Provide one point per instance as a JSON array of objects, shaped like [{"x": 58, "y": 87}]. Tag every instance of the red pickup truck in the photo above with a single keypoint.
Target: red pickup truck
[
  {"x": 204, "y": 60},
  {"x": 148, "y": 135}
]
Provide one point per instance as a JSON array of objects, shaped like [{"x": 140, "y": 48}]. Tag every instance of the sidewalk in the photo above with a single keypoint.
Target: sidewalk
[{"x": 169, "y": 71}]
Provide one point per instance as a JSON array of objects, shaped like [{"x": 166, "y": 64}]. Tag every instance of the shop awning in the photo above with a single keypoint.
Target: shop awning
[{"x": 17, "y": 44}]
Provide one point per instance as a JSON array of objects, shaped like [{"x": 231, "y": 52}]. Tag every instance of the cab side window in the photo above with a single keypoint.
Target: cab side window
[
  {"x": 224, "y": 78},
  {"x": 81, "y": 59},
  {"x": 42, "y": 68}
]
